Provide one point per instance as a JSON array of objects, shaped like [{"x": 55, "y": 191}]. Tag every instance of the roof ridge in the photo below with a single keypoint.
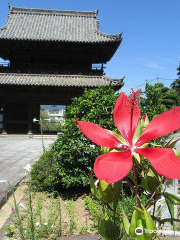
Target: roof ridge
[
  {"x": 53, "y": 11},
  {"x": 111, "y": 36}
]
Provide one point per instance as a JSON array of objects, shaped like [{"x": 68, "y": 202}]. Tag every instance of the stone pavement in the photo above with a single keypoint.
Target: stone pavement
[{"x": 15, "y": 153}]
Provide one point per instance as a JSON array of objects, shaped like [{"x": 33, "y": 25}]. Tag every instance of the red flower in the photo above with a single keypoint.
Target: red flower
[{"x": 114, "y": 166}]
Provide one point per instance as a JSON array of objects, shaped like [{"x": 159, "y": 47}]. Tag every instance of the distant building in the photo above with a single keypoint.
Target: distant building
[
  {"x": 52, "y": 56},
  {"x": 56, "y": 115}
]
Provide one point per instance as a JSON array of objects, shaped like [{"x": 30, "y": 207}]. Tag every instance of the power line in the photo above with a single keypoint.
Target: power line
[
  {"x": 142, "y": 84},
  {"x": 148, "y": 81},
  {"x": 168, "y": 79}
]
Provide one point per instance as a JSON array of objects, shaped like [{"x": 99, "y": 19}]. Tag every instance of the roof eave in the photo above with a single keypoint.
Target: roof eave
[
  {"x": 112, "y": 37},
  {"x": 44, "y": 80},
  {"x": 110, "y": 40}
]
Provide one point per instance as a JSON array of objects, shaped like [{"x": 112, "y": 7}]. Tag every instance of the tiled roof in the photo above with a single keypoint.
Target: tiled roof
[
  {"x": 54, "y": 25},
  {"x": 57, "y": 80}
]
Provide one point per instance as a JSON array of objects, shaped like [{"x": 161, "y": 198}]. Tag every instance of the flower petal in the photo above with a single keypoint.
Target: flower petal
[
  {"x": 113, "y": 166},
  {"x": 99, "y": 135},
  {"x": 163, "y": 160},
  {"x": 122, "y": 116},
  {"x": 163, "y": 124}
]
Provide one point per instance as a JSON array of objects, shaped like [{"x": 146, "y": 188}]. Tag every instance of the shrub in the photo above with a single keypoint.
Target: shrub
[
  {"x": 44, "y": 174},
  {"x": 73, "y": 154}
]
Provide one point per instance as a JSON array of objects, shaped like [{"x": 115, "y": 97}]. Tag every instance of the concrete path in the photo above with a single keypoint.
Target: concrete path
[
  {"x": 15, "y": 153},
  {"x": 177, "y": 136}
]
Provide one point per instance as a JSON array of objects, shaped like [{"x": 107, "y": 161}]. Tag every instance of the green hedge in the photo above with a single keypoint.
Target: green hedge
[
  {"x": 44, "y": 173},
  {"x": 73, "y": 155}
]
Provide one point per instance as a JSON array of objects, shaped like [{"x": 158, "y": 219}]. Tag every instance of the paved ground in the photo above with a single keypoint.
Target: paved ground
[
  {"x": 177, "y": 136},
  {"x": 16, "y": 153}
]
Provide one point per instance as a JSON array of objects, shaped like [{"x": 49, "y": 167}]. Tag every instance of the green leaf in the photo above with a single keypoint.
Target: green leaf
[
  {"x": 133, "y": 224},
  {"x": 173, "y": 197},
  {"x": 108, "y": 230},
  {"x": 150, "y": 225},
  {"x": 93, "y": 187},
  {"x": 150, "y": 181},
  {"x": 171, "y": 143},
  {"x": 169, "y": 220},
  {"x": 139, "y": 210},
  {"x": 106, "y": 195},
  {"x": 171, "y": 201},
  {"x": 176, "y": 153},
  {"x": 141, "y": 218},
  {"x": 103, "y": 184},
  {"x": 146, "y": 122},
  {"x": 116, "y": 193},
  {"x": 141, "y": 224},
  {"x": 105, "y": 150},
  {"x": 102, "y": 191},
  {"x": 126, "y": 222},
  {"x": 168, "y": 143},
  {"x": 170, "y": 205}
]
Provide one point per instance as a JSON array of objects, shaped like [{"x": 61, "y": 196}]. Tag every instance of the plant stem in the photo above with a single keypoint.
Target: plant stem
[
  {"x": 20, "y": 227},
  {"x": 154, "y": 193},
  {"x": 42, "y": 138},
  {"x": 31, "y": 211},
  {"x": 60, "y": 217},
  {"x": 129, "y": 184},
  {"x": 110, "y": 208},
  {"x": 154, "y": 207},
  {"x": 86, "y": 225},
  {"x": 136, "y": 188}
]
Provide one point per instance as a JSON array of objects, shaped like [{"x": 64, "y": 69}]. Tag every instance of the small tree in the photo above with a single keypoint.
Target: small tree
[{"x": 157, "y": 98}]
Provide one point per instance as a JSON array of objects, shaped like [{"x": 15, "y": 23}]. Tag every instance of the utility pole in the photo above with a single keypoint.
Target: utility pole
[{"x": 157, "y": 78}]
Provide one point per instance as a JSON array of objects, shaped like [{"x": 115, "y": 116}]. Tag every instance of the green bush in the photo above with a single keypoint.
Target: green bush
[
  {"x": 73, "y": 154},
  {"x": 44, "y": 174}
]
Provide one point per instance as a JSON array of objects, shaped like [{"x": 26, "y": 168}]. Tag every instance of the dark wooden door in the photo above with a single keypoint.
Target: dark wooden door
[{"x": 17, "y": 117}]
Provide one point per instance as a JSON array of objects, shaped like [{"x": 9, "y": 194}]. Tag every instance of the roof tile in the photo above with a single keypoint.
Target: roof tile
[
  {"x": 57, "y": 80},
  {"x": 54, "y": 25}
]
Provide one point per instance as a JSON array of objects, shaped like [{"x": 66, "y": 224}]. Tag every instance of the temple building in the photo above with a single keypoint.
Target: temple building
[{"x": 50, "y": 56}]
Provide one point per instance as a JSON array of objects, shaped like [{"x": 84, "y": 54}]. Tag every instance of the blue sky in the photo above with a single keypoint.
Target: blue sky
[{"x": 151, "y": 36}]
